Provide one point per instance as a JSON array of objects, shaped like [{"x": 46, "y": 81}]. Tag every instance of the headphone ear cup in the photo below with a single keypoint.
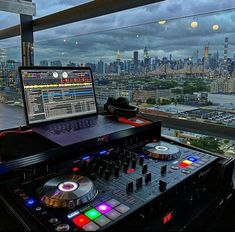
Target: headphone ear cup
[
  {"x": 110, "y": 101},
  {"x": 122, "y": 102}
]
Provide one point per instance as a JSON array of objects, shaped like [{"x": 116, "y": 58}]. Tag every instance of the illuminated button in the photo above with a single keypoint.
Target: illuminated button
[
  {"x": 103, "y": 208},
  {"x": 92, "y": 214},
  {"x": 73, "y": 214},
  {"x": 122, "y": 208},
  {"x": 84, "y": 209},
  {"x": 130, "y": 170},
  {"x": 62, "y": 227},
  {"x": 113, "y": 214},
  {"x": 75, "y": 169},
  {"x": 183, "y": 165},
  {"x": 192, "y": 159},
  {"x": 113, "y": 203},
  {"x": 38, "y": 208},
  {"x": 30, "y": 202},
  {"x": 81, "y": 220},
  {"x": 187, "y": 162},
  {"x": 102, "y": 220},
  {"x": 192, "y": 167},
  {"x": 91, "y": 226}
]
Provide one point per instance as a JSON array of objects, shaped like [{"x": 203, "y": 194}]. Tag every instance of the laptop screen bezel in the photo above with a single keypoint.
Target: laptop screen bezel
[{"x": 54, "y": 120}]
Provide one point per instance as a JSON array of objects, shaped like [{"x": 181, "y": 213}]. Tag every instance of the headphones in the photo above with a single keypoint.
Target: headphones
[{"x": 120, "y": 107}]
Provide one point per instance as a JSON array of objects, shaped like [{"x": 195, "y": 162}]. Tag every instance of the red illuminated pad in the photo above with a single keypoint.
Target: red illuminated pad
[
  {"x": 81, "y": 220},
  {"x": 167, "y": 218},
  {"x": 183, "y": 165}
]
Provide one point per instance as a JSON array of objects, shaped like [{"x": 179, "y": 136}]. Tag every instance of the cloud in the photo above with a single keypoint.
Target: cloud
[{"x": 176, "y": 37}]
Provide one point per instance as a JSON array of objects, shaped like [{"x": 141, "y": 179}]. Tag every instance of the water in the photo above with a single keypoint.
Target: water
[{"x": 11, "y": 116}]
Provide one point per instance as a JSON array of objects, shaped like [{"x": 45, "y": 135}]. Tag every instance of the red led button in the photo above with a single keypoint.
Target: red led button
[
  {"x": 130, "y": 170},
  {"x": 183, "y": 165},
  {"x": 81, "y": 220},
  {"x": 167, "y": 218},
  {"x": 75, "y": 169}
]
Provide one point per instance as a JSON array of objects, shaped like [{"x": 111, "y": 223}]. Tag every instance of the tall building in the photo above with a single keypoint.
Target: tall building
[
  {"x": 195, "y": 57},
  {"x": 56, "y": 63},
  {"x": 225, "y": 50},
  {"x": 147, "y": 60},
  {"x": 100, "y": 67},
  {"x": 206, "y": 51},
  {"x": 136, "y": 60},
  {"x": 118, "y": 60},
  {"x": 44, "y": 63}
]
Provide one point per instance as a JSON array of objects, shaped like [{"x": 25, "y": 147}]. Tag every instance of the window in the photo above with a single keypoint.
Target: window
[{"x": 182, "y": 68}]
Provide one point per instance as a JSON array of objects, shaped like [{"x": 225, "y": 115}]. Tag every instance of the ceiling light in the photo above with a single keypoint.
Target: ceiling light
[
  {"x": 162, "y": 22},
  {"x": 215, "y": 27},
  {"x": 194, "y": 24}
]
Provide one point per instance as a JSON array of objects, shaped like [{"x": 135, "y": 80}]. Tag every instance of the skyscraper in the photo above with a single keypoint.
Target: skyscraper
[
  {"x": 225, "y": 50},
  {"x": 100, "y": 68},
  {"x": 118, "y": 59},
  {"x": 136, "y": 60},
  {"x": 206, "y": 51}
]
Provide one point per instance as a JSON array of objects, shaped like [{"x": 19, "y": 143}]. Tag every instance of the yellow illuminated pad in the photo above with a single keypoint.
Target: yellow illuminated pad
[{"x": 187, "y": 162}]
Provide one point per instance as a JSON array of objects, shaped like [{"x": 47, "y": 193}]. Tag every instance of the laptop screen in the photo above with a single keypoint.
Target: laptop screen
[{"x": 57, "y": 93}]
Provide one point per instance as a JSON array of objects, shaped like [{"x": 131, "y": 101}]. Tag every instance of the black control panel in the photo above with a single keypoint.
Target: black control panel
[{"x": 127, "y": 184}]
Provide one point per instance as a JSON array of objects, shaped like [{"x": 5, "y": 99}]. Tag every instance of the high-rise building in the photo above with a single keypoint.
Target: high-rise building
[
  {"x": 118, "y": 60},
  {"x": 136, "y": 59},
  {"x": 195, "y": 57},
  {"x": 147, "y": 60},
  {"x": 44, "y": 63},
  {"x": 206, "y": 51},
  {"x": 225, "y": 50},
  {"x": 100, "y": 68},
  {"x": 56, "y": 63}
]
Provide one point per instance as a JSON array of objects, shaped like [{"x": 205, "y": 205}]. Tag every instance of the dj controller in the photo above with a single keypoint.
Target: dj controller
[{"x": 134, "y": 180}]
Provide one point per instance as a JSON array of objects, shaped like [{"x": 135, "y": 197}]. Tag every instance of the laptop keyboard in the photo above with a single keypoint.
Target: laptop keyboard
[{"x": 67, "y": 127}]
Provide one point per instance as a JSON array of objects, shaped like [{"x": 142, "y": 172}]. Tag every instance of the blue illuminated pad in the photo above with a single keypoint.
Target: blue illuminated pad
[
  {"x": 192, "y": 159},
  {"x": 30, "y": 202}
]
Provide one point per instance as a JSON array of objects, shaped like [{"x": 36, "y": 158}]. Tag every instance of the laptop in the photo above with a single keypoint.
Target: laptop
[{"x": 60, "y": 104}]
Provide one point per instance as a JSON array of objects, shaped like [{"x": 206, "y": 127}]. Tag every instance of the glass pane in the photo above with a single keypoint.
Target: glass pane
[
  {"x": 8, "y": 19},
  {"x": 11, "y": 103},
  {"x": 183, "y": 68}
]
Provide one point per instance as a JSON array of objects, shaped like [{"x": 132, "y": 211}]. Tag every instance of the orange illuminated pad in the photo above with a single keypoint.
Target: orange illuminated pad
[
  {"x": 183, "y": 165},
  {"x": 187, "y": 162},
  {"x": 81, "y": 220}
]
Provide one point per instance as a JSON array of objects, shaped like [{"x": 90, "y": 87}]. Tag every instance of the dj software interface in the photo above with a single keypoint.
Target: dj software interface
[{"x": 56, "y": 94}]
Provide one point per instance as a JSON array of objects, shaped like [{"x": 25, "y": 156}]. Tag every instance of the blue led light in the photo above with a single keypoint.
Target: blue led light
[
  {"x": 86, "y": 157},
  {"x": 30, "y": 202},
  {"x": 73, "y": 214},
  {"x": 103, "y": 152},
  {"x": 192, "y": 159}
]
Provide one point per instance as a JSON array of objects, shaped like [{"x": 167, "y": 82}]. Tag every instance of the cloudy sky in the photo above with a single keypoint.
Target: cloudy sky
[{"x": 138, "y": 28}]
